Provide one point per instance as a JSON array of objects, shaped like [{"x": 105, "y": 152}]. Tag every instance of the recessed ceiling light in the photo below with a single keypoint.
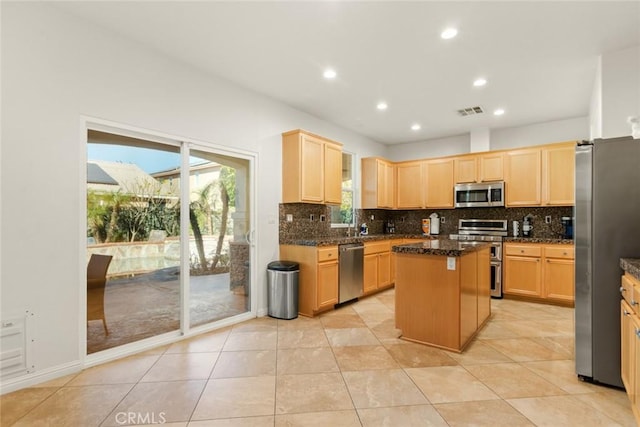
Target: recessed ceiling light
[
  {"x": 415, "y": 126},
  {"x": 329, "y": 73},
  {"x": 382, "y": 105},
  {"x": 449, "y": 33},
  {"x": 498, "y": 112},
  {"x": 480, "y": 82}
]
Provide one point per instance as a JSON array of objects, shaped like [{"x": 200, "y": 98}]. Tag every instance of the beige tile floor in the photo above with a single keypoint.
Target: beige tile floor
[{"x": 344, "y": 368}]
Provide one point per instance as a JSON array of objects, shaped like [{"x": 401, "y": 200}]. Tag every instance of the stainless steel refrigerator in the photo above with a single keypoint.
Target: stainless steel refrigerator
[{"x": 607, "y": 228}]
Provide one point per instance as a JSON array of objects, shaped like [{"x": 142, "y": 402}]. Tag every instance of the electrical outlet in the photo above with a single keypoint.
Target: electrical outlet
[
  {"x": 289, "y": 218},
  {"x": 312, "y": 217},
  {"x": 372, "y": 217},
  {"x": 441, "y": 220},
  {"x": 547, "y": 219},
  {"x": 322, "y": 218}
]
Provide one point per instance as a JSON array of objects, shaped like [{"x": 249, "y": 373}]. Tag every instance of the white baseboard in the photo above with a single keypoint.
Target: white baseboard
[
  {"x": 23, "y": 381},
  {"x": 28, "y": 380}
]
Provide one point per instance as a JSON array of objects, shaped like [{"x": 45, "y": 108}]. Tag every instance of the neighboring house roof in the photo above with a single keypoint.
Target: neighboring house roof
[
  {"x": 97, "y": 175},
  {"x": 127, "y": 178}
]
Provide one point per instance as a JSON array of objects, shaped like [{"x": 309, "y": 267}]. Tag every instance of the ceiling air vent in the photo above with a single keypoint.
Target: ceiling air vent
[{"x": 470, "y": 111}]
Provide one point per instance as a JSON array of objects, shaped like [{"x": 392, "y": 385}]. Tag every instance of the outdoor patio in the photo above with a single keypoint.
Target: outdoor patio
[{"x": 148, "y": 304}]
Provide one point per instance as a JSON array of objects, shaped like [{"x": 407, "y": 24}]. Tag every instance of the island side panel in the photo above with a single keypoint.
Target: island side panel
[
  {"x": 468, "y": 296},
  {"x": 427, "y": 300}
]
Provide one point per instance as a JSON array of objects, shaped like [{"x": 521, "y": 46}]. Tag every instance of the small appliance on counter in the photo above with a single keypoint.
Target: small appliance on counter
[
  {"x": 434, "y": 224},
  {"x": 426, "y": 222},
  {"x": 527, "y": 226},
  {"x": 364, "y": 229},
  {"x": 567, "y": 224},
  {"x": 516, "y": 229}
]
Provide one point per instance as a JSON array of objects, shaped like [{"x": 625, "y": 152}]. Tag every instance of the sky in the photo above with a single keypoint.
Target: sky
[{"x": 149, "y": 160}]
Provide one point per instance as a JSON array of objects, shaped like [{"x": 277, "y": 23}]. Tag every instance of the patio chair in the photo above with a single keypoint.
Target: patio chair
[{"x": 96, "y": 281}]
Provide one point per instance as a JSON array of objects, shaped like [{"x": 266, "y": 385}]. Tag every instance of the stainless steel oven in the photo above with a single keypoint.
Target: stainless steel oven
[
  {"x": 490, "y": 231},
  {"x": 496, "y": 279}
]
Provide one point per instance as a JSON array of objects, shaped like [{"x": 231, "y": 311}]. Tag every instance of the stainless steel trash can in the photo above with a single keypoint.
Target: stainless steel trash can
[{"x": 282, "y": 289}]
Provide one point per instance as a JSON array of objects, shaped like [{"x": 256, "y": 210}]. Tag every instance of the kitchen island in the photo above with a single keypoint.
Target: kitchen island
[{"x": 442, "y": 292}]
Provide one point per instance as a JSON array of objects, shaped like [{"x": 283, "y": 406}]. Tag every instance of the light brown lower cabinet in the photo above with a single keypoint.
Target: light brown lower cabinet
[
  {"x": 392, "y": 257},
  {"x": 630, "y": 341},
  {"x": 539, "y": 271},
  {"x": 319, "y": 276},
  {"x": 377, "y": 266}
]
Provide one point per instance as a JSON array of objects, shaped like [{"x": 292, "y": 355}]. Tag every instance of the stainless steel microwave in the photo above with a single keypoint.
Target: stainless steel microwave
[{"x": 483, "y": 194}]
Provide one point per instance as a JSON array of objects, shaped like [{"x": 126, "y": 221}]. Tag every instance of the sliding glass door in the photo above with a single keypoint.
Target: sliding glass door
[
  {"x": 218, "y": 244},
  {"x": 134, "y": 210}
]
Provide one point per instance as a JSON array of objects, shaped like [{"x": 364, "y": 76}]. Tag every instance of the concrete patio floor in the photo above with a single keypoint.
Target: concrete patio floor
[{"x": 149, "y": 304}]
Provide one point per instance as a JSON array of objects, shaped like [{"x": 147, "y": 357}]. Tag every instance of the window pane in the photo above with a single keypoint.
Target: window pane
[
  {"x": 343, "y": 214},
  {"x": 218, "y": 246},
  {"x": 133, "y": 230}
]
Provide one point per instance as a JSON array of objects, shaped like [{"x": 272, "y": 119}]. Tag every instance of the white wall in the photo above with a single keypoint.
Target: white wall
[
  {"x": 595, "y": 107},
  {"x": 56, "y": 68},
  {"x": 620, "y": 91},
  {"x": 439, "y": 147},
  {"x": 499, "y": 139},
  {"x": 540, "y": 133}
]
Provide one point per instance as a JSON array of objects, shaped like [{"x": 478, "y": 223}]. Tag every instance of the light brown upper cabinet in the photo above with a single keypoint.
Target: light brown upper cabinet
[
  {"x": 466, "y": 169},
  {"x": 541, "y": 176},
  {"x": 491, "y": 167},
  {"x": 378, "y": 178},
  {"x": 409, "y": 187},
  {"x": 311, "y": 168},
  {"x": 439, "y": 183},
  {"x": 558, "y": 167},
  {"x": 484, "y": 167},
  {"x": 523, "y": 177}
]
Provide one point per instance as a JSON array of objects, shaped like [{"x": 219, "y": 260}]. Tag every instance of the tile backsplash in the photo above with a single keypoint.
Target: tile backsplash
[{"x": 410, "y": 221}]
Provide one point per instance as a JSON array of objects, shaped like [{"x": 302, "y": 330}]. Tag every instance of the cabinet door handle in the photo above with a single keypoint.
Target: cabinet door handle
[
  {"x": 638, "y": 332},
  {"x": 625, "y": 312},
  {"x": 547, "y": 260},
  {"x": 622, "y": 289}
]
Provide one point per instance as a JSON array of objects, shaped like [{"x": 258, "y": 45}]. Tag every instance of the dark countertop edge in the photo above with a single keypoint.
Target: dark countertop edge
[
  {"x": 631, "y": 266},
  {"x": 332, "y": 241},
  {"x": 538, "y": 240},
  {"x": 446, "y": 250}
]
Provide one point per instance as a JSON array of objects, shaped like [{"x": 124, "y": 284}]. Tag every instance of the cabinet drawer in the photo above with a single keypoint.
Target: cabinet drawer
[
  {"x": 376, "y": 247},
  {"x": 523, "y": 250},
  {"x": 565, "y": 252},
  {"x": 328, "y": 254}
]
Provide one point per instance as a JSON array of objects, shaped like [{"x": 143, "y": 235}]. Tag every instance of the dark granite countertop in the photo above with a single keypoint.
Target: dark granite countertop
[
  {"x": 631, "y": 266},
  {"x": 330, "y": 241},
  {"x": 445, "y": 247},
  {"x": 538, "y": 240}
]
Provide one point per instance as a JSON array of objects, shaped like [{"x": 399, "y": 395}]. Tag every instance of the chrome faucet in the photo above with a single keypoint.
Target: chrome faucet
[{"x": 356, "y": 231}]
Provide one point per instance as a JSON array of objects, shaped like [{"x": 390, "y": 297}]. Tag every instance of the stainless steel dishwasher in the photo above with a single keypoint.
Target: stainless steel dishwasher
[{"x": 351, "y": 261}]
